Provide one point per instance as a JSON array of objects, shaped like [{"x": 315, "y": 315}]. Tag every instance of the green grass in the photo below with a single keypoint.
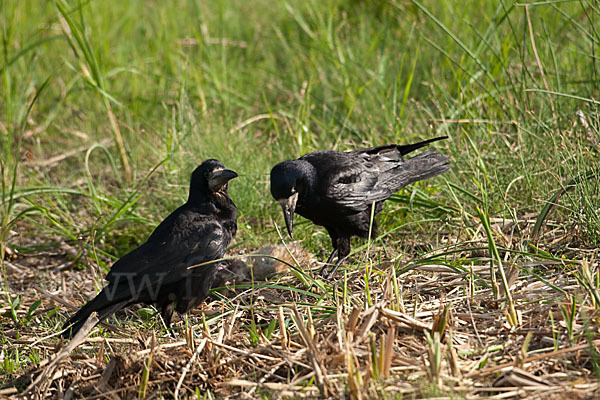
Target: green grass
[
  {"x": 274, "y": 81},
  {"x": 130, "y": 96}
]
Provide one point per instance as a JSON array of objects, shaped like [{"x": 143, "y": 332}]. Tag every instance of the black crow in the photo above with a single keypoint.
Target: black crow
[
  {"x": 336, "y": 189},
  {"x": 157, "y": 272}
]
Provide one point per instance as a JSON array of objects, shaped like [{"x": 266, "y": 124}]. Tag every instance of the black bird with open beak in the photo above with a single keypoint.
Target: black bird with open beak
[
  {"x": 337, "y": 189},
  {"x": 160, "y": 271}
]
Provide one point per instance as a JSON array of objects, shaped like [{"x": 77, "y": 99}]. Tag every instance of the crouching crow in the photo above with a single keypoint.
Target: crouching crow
[
  {"x": 337, "y": 189},
  {"x": 157, "y": 272}
]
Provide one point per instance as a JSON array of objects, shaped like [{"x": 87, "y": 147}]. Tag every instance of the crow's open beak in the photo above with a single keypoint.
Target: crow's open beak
[
  {"x": 289, "y": 206},
  {"x": 219, "y": 178}
]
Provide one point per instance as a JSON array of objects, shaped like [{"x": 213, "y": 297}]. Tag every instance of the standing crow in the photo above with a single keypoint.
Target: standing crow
[
  {"x": 157, "y": 272},
  {"x": 337, "y": 189}
]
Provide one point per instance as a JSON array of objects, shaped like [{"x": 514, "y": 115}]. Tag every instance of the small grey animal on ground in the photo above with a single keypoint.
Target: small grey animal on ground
[{"x": 268, "y": 261}]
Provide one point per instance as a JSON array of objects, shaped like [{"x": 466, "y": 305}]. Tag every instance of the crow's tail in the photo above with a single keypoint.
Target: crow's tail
[
  {"x": 99, "y": 304},
  {"x": 407, "y": 148},
  {"x": 426, "y": 165}
]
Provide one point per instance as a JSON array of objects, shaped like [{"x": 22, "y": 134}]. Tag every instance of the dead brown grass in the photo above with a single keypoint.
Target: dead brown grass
[{"x": 433, "y": 332}]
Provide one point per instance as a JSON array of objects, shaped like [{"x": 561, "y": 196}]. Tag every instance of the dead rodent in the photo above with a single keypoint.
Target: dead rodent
[{"x": 264, "y": 262}]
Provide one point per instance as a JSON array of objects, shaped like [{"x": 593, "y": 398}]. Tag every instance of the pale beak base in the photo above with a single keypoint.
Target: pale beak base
[
  {"x": 218, "y": 178},
  {"x": 289, "y": 206}
]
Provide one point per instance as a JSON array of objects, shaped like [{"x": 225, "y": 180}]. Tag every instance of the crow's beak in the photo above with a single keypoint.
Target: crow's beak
[
  {"x": 289, "y": 206},
  {"x": 219, "y": 178}
]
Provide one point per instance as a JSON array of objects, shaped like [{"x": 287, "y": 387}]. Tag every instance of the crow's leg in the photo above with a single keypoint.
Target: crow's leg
[
  {"x": 167, "y": 316},
  {"x": 328, "y": 262},
  {"x": 341, "y": 249},
  {"x": 335, "y": 267}
]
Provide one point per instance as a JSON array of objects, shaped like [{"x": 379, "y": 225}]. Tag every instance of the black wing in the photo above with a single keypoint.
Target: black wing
[
  {"x": 187, "y": 239},
  {"x": 354, "y": 180},
  {"x": 367, "y": 178}
]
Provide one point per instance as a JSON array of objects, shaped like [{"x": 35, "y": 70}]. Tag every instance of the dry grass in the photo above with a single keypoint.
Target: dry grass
[{"x": 434, "y": 331}]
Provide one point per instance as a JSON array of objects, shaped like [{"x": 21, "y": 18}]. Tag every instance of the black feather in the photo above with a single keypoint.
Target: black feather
[
  {"x": 157, "y": 271},
  {"x": 337, "y": 189}
]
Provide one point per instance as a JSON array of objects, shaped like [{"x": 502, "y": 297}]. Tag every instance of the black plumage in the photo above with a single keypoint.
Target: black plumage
[
  {"x": 157, "y": 271},
  {"x": 337, "y": 189}
]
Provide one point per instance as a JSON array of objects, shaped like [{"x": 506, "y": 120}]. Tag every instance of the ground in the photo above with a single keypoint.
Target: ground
[
  {"x": 437, "y": 332},
  {"x": 484, "y": 281}
]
